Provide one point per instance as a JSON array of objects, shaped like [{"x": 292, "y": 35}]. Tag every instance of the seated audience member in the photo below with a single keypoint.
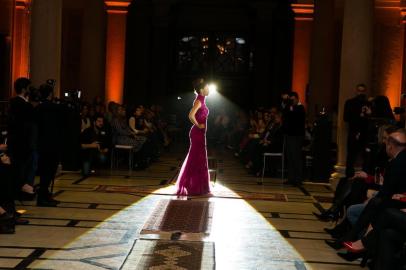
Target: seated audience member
[
  {"x": 95, "y": 142},
  {"x": 256, "y": 129},
  {"x": 394, "y": 183},
  {"x": 7, "y": 209},
  {"x": 238, "y": 127},
  {"x": 142, "y": 125},
  {"x": 85, "y": 119},
  {"x": 385, "y": 241},
  {"x": 271, "y": 141},
  {"x": 351, "y": 191},
  {"x": 161, "y": 124},
  {"x": 351, "y": 194},
  {"x": 122, "y": 134},
  {"x": 221, "y": 126}
]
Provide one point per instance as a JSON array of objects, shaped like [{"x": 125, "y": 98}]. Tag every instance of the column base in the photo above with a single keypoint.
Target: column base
[{"x": 337, "y": 175}]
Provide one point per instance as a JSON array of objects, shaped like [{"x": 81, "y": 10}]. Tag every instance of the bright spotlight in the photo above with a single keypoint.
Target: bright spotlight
[
  {"x": 179, "y": 98},
  {"x": 213, "y": 88}
]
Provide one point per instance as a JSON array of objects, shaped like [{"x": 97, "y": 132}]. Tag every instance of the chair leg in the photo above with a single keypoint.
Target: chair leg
[
  {"x": 130, "y": 162},
  {"x": 263, "y": 170},
  {"x": 283, "y": 167},
  {"x": 111, "y": 160}
]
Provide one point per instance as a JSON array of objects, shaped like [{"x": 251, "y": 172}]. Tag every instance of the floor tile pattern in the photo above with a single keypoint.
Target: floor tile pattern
[{"x": 100, "y": 230}]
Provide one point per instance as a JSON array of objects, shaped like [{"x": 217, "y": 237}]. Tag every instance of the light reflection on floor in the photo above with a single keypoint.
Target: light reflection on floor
[{"x": 93, "y": 230}]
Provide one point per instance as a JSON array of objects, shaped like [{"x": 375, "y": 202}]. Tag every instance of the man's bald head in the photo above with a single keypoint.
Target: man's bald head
[{"x": 396, "y": 142}]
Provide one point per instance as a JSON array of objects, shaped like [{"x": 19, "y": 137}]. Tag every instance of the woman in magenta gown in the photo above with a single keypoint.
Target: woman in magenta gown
[{"x": 194, "y": 176}]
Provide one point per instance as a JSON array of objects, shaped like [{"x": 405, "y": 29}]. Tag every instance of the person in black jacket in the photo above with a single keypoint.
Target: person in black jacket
[
  {"x": 48, "y": 117},
  {"x": 356, "y": 112},
  {"x": 293, "y": 126},
  {"x": 7, "y": 207},
  {"x": 95, "y": 143},
  {"x": 20, "y": 127}
]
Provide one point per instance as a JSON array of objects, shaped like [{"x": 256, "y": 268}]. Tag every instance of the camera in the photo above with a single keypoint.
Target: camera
[
  {"x": 73, "y": 94},
  {"x": 399, "y": 110}
]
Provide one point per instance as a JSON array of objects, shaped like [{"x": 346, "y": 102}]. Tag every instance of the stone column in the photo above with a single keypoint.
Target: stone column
[
  {"x": 21, "y": 39},
  {"x": 6, "y": 40},
  {"x": 403, "y": 87},
  {"x": 45, "y": 43},
  {"x": 356, "y": 63},
  {"x": 302, "y": 47},
  {"x": 389, "y": 50},
  {"x": 93, "y": 51},
  {"x": 115, "y": 48},
  {"x": 322, "y": 90}
]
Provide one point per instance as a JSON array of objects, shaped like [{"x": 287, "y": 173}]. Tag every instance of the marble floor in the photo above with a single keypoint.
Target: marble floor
[{"x": 268, "y": 226}]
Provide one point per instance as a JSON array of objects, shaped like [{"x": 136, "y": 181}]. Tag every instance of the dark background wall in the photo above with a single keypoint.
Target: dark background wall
[
  {"x": 155, "y": 28},
  {"x": 83, "y": 47}
]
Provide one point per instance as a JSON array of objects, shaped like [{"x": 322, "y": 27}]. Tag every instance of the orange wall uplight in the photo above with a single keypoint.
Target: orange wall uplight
[
  {"x": 302, "y": 47},
  {"x": 115, "y": 49},
  {"x": 21, "y": 39}
]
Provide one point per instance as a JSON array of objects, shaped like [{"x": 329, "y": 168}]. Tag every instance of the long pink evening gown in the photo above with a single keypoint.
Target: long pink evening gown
[{"x": 194, "y": 178}]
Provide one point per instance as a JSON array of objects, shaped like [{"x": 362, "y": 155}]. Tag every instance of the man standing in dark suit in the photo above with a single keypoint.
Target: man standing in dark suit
[
  {"x": 356, "y": 111},
  {"x": 20, "y": 124},
  {"x": 48, "y": 117},
  {"x": 293, "y": 126}
]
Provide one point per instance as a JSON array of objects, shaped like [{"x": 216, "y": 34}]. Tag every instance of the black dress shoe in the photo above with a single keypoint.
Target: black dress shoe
[
  {"x": 5, "y": 217},
  {"x": 25, "y": 196},
  {"x": 333, "y": 232},
  {"x": 47, "y": 203},
  {"x": 326, "y": 216},
  {"x": 350, "y": 257},
  {"x": 6, "y": 224},
  {"x": 289, "y": 183},
  {"x": 21, "y": 221},
  {"x": 334, "y": 244}
]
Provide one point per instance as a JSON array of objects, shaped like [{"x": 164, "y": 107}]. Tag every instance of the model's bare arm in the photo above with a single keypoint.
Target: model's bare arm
[{"x": 192, "y": 114}]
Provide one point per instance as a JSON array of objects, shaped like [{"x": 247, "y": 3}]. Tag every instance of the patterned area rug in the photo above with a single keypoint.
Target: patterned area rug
[
  {"x": 170, "y": 191},
  {"x": 165, "y": 255},
  {"x": 180, "y": 216}
]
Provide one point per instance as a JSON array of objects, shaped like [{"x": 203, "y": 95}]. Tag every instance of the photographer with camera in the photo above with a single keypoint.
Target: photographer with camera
[
  {"x": 293, "y": 126},
  {"x": 356, "y": 113},
  {"x": 48, "y": 118}
]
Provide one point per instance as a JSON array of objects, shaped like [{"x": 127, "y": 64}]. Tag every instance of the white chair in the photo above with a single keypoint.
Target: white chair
[
  {"x": 117, "y": 148},
  {"x": 270, "y": 155}
]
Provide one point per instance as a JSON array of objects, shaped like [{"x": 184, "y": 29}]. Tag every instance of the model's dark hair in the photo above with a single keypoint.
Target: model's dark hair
[
  {"x": 20, "y": 84},
  {"x": 198, "y": 85}
]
